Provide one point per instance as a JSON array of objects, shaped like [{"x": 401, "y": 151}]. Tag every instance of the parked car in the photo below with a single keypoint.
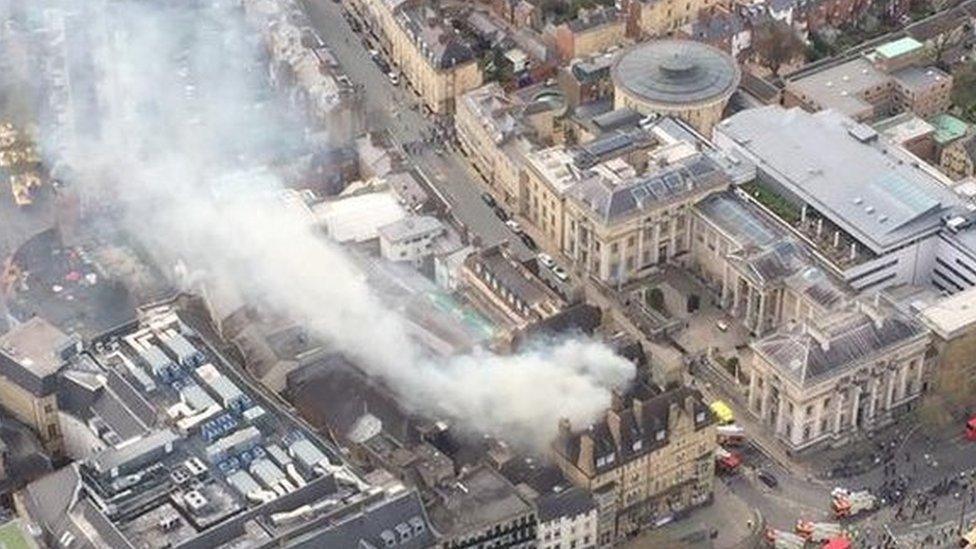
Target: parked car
[
  {"x": 722, "y": 325},
  {"x": 394, "y": 78},
  {"x": 488, "y": 199},
  {"x": 514, "y": 226},
  {"x": 560, "y": 273},
  {"x": 767, "y": 478},
  {"x": 528, "y": 241},
  {"x": 546, "y": 260},
  {"x": 502, "y": 214}
]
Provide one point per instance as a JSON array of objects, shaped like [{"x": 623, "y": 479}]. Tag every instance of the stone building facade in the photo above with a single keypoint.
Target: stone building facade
[
  {"x": 827, "y": 381},
  {"x": 648, "y": 459}
]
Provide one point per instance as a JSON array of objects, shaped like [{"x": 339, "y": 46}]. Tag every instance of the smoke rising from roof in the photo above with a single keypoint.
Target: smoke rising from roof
[{"x": 185, "y": 132}]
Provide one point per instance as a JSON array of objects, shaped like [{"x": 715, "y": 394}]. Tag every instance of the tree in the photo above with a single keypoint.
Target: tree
[
  {"x": 774, "y": 44},
  {"x": 946, "y": 41},
  {"x": 964, "y": 90},
  {"x": 655, "y": 299}
]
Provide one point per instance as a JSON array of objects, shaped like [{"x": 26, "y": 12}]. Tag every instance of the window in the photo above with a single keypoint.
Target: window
[
  {"x": 638, "y": 444},
  {"x": 52, "y": 430},
  {"x": 660, "y": 435}
]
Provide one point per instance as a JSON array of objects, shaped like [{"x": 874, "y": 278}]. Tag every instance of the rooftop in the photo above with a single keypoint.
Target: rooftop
[
  {"x": 482, "y": 498},
  {"x": 564, "y": 503},
  {"x": 808, "y": 354},
  {"x": 613, "y": 198},
  {"x": 676, "y": 72},
  {"x": 588, "y": 19},
  {"x": 919, "y": 79},
  {"x": 840, "y": 87},
  {"x": 410, "y": 227},
  {"x": 641, "y": 424},
  {"x": 951, "y": 315},
  {"x": 948, "y": 128},
  {"x": 218, "y": 467},
  {"x": 37, "y": 346},
  {"x": 441, "y": 45},
  {"x": 904, "y": 127},
  {"x": 898, "y": 47},
  {"x": 889, "y": 197},
  {"x": 740, "y": 220}
]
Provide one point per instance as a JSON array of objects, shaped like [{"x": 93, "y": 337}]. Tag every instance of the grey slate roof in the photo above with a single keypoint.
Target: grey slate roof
[
  {"x": 853, "y": 337},
  {"x": 676, "y": 72},
  {"x": 634, "y": 427},
  {"x": 369, "y": 528},
  {"x": 566, "y": 503},
  {"x": 843, "y": 170},
  {"x": 612, "y": 202}
]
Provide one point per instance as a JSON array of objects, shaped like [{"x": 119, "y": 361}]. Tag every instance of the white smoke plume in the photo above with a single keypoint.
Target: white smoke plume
[{"x": 183, "y": 127}]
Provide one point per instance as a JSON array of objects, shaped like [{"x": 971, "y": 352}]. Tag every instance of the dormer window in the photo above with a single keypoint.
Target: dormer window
[
  {"x": 638, "y": 444},
  {"x": 700, "y": 417},
  {"x": 660, "y": 435}
]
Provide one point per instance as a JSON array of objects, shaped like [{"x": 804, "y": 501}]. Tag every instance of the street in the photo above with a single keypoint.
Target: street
[{"x": 395, "y": 109}]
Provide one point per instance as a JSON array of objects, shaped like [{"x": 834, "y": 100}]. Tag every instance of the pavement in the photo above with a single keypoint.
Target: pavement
[
  {"x": 396, "y": 109},
  {"x": 729, "y": 518}
]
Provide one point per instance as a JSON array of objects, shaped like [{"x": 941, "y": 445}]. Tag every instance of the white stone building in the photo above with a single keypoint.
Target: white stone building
[{"x": 829, "y": 379}]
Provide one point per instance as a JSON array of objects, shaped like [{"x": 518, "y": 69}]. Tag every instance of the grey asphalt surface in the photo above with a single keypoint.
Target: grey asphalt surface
[{"x": 388, "y": 107}]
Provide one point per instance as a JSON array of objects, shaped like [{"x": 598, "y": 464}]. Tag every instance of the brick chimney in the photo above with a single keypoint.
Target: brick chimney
[
  {"x": 586, "y": 461},
  {"x": 616, "y": 401},
  {"x": 613, "y": 423},
  {"x": 638, "y": 406},
  {"x": 565, "y": 428}
]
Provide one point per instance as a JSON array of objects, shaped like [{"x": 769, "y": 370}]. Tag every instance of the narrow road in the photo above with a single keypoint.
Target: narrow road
[{"x": 388, "y": 107}]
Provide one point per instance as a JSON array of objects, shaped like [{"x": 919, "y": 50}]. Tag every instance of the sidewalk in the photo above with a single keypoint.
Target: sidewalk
[
  {"x": 758, "y": 434},
  {"x": 735, "y": 523}
]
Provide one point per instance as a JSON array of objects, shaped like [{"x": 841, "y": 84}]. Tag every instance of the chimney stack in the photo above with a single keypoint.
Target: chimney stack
[
  {"x": 616, "y": 400},
  {"x": 613, "y": 423},
  {"x": 638, "y": 406},
  {"x": 565, "y": 427},
  {"x": 586, "y": 461}
]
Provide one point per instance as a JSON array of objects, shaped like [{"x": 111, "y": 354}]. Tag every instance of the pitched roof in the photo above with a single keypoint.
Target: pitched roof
[
  {"x": 612, "y": 201},
  {"x": 640, "y": 423},
  {"x": 565, "y": 503},
  {"x": 841, "y": 341}
]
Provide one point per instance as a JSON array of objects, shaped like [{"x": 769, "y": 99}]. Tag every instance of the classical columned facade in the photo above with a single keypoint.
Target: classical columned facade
[{"x": 851, "y": 399}]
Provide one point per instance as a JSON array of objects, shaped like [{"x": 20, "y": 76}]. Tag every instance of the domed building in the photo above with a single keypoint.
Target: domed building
[{"x": 681, "y": 78}]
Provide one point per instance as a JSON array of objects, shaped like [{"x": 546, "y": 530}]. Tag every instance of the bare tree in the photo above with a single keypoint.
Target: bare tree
[{"x": 774, "y": 44}]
